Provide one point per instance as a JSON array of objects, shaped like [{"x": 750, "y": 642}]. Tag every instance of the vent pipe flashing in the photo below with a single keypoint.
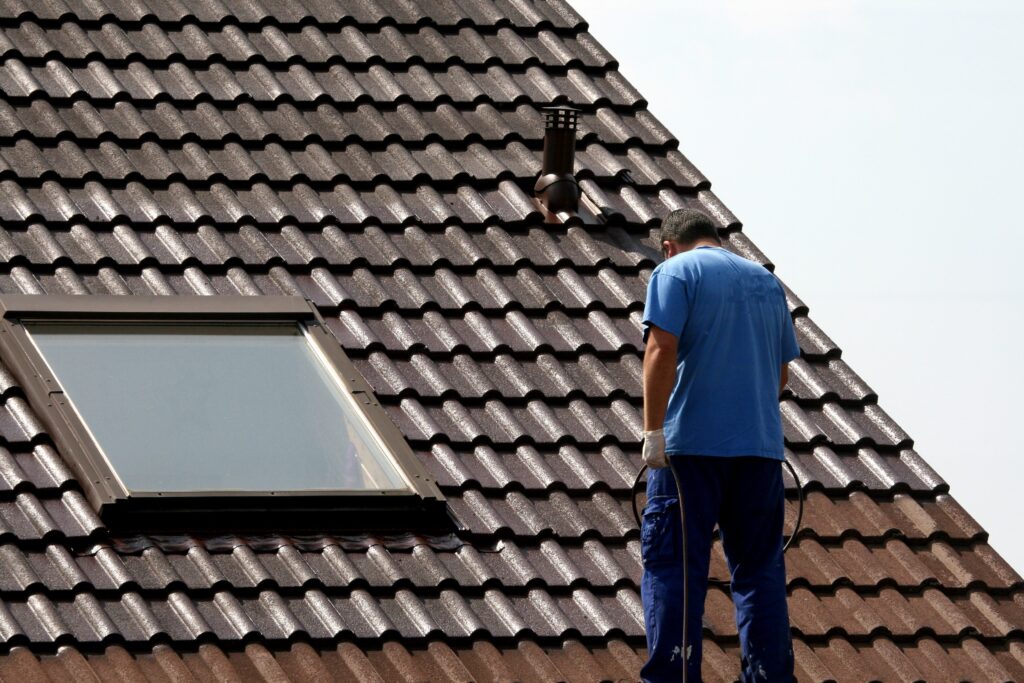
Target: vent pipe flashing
[{"x": 557, "y": 189}]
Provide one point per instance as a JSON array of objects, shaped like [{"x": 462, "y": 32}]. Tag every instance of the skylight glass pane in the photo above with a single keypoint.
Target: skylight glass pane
[{"x": 215, "y": 407}]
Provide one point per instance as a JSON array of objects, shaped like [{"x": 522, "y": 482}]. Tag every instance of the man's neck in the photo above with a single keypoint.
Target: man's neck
[{"x": 705, "y": 243}]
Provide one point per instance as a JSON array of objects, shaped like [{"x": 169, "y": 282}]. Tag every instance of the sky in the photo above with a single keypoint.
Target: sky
[{"x": 872, "y": 149}]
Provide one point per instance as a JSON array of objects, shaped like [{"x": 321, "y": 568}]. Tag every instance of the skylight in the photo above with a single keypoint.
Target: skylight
[{"x": 216, "y": 406}]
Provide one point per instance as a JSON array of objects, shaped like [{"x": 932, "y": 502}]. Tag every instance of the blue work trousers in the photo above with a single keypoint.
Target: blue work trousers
[{"x": 744, "y": 496}]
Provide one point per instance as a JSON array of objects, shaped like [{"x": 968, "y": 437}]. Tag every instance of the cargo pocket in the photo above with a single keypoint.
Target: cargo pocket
[{"x": 659, "y": 534}]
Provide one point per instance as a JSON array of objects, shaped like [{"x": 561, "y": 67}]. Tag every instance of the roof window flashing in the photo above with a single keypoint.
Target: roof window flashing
[{"x": 205, "y": 412}]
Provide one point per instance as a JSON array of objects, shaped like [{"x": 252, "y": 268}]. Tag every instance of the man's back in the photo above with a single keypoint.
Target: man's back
[
  {"x": 734, "y": 334},
  {"x": 719, "y": 336}
]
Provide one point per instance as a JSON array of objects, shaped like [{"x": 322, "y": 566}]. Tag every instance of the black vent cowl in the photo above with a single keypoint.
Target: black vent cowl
[{"x": 557, "y": 189}]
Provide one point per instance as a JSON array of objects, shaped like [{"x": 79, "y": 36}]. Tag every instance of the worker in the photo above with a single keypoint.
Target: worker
[{"x": 719, "y": 337}]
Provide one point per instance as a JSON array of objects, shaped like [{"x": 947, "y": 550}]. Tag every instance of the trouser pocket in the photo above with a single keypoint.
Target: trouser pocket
[{"x": 660, "y": 536}]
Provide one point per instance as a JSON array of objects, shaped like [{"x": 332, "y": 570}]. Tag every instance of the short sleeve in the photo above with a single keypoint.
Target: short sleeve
[
  {"x": 790, "y": 346},
  {"x": 667, "y": 305}
]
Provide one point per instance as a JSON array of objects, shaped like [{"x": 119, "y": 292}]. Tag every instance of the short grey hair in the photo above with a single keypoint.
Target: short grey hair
[{"x": 687, "y": 226}]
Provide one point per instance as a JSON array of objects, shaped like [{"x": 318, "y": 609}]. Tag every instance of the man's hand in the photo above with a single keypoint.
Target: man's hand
[{"x": 654, "y": 449}]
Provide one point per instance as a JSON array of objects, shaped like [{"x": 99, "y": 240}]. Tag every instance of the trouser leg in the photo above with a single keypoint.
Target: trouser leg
[
  {"x": 662, "y": 584},
  {"x": 751, "y": 527},
  {"x": 661, "y": 591}
]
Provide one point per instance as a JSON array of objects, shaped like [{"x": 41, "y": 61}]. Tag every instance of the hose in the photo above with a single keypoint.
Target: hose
[
  {"x": 682, "y": 526},
  {"x": 685, "y": 652}
]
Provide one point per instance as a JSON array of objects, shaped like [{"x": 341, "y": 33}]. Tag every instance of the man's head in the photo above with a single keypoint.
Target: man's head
[{"x": 684, "y": 229}]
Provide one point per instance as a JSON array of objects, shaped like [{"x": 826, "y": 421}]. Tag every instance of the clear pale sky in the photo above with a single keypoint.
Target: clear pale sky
[{"x": 874, "y": 150}]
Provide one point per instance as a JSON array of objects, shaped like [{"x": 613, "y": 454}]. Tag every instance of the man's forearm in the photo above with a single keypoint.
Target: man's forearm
[{"x": 659, "y": 378}]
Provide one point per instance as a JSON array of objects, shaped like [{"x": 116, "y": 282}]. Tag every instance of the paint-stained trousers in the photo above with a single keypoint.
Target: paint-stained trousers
[{"x": 744, "y": 496}]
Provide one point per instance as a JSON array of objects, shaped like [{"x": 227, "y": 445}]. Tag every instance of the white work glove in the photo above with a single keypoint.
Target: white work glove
[{"x": 654, "y": 449}]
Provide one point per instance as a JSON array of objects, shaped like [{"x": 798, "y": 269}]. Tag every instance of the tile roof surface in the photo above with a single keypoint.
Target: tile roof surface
[{"x": 377, "y": 157}]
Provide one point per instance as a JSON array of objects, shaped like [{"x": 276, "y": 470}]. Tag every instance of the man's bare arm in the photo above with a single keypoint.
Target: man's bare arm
[
  {"x": 783, "y": 377},
  {"x": 659, "y": 376}
]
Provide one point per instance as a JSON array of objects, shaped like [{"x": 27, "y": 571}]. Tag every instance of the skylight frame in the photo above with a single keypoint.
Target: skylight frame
[{"x": 201, "y": 510}]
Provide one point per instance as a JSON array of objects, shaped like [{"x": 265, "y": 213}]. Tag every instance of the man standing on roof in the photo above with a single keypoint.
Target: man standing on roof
[{"x": 719, "y": 337}]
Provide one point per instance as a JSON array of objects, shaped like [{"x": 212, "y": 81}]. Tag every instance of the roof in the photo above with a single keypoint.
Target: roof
[{"x": 377, "y": 158}]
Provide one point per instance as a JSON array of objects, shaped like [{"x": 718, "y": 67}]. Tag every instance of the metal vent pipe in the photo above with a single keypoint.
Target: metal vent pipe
[{"x": 557, "y": 189}]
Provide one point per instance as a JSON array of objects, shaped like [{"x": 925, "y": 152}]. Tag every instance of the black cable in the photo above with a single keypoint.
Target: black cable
[
  {"x": 685, "y": 653},
  {"x": 636, "y": 485},
  {"x": 799, "y": 507}
]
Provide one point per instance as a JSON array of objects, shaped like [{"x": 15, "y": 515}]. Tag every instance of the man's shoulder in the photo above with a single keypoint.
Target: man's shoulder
[
  {"x": 673, "y": 267},
  {"x": 745, "y": 265}
]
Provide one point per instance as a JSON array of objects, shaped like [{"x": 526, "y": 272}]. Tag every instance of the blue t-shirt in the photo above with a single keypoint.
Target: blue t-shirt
[{"x": 735, "y": 332}]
